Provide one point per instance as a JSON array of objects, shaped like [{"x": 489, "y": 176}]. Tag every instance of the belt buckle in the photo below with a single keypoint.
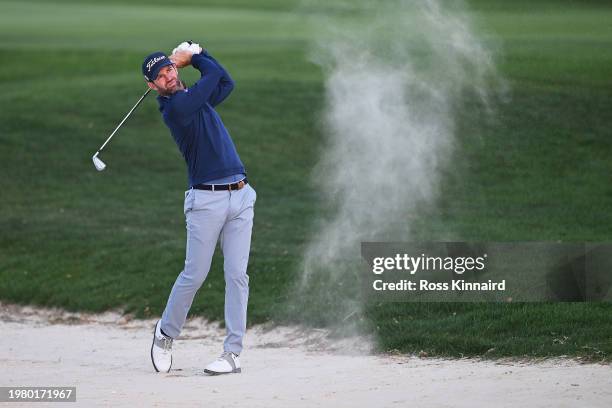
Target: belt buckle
[{"x": 238, "y": 185}]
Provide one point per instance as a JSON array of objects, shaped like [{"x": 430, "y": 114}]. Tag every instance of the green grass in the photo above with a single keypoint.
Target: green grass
[{"x": 74, "y": 238}]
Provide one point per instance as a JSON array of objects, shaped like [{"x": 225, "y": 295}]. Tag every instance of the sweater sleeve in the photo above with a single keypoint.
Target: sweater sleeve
[
  {"x": 194, "y": 98},
  {"x": 225, "y": 86}
]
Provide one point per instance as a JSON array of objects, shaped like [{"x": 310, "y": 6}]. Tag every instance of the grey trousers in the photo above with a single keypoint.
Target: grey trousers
[{"x": 212, "y": 216}]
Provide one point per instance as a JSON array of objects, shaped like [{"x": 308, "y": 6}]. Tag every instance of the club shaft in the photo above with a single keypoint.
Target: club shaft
[{"x": 124, "y": 119}]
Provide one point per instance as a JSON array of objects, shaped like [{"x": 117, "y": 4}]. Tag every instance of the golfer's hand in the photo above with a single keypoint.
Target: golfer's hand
[
  {"x": 181, "y": 58},
  {"x": 189, "y": 46}
]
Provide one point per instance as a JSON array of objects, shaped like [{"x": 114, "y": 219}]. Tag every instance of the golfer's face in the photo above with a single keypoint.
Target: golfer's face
[{"x": 167, "y": 79}]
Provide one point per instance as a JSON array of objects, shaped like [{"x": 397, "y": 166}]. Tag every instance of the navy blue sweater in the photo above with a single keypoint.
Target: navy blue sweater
[{"x": 195, "y": 126}]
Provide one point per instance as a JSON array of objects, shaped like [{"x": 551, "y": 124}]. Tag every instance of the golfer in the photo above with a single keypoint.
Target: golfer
[{"x": 219, "y": 203}]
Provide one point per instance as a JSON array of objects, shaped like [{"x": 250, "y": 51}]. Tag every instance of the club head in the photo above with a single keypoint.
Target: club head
[{"x": 98, "y": 163}]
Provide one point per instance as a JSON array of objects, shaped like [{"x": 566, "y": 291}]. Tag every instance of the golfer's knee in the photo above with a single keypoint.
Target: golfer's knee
[
  {"x": 193, "y": 278},
  {"x": 240, "y": 280}
]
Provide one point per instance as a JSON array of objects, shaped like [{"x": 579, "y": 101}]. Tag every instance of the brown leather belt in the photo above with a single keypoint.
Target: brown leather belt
[{"x": 222, "y": 187}]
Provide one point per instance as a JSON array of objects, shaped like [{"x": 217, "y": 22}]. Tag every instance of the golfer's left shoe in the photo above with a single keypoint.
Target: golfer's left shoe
[
  {"x": 161, "y": 350},
  {"x": 227, "y": 363}
]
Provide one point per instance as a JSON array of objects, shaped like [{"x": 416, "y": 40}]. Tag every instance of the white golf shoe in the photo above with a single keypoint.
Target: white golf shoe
[
  {"x": 161, "y": 350},
  {"x": 227, "y": 363}
]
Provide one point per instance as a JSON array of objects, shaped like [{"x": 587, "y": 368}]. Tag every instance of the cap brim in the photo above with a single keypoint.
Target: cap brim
[{"x": 155, "y": 72}]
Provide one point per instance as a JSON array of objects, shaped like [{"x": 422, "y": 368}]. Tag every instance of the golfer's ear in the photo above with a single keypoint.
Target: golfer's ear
[{"x": 151, "y": 85}]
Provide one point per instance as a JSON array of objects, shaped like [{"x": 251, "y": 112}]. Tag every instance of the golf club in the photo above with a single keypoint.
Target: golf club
[{"x": 96, "y": 160}]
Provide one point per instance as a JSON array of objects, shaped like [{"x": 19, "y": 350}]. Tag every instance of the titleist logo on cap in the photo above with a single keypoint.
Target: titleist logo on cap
[{"x": 154, "y": 61}]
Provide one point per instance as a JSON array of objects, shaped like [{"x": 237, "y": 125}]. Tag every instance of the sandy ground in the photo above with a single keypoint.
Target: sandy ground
[{"x": 107, "y": 358}]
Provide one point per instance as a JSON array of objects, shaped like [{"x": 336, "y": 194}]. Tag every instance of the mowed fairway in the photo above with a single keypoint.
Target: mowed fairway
[{"x": 82, "y": 240}]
